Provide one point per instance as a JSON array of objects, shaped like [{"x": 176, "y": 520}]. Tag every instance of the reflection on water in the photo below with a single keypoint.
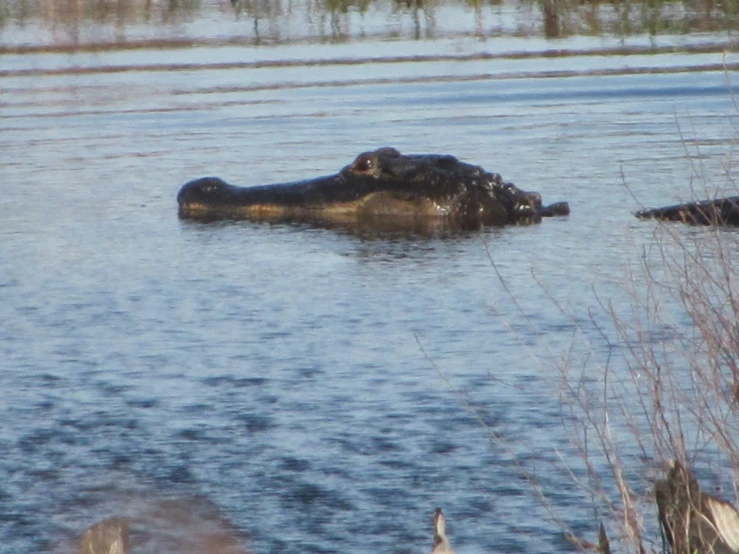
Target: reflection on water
[
  {"x": 315, "y": 384},
  {"x": 87, "y": 23}
]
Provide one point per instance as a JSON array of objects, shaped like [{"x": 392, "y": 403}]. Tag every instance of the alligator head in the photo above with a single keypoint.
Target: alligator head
[
  {"x": 381, "y": 185},
  {"x": 719, "y": 211}
]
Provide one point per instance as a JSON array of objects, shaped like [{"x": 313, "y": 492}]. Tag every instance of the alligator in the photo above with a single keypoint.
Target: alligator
[
  {"x": 379, "y": 186},
  {"x": 721, "y": 211}
]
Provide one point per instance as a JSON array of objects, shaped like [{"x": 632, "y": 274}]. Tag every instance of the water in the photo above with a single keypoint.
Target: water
[{"x": 314, "y": 389}]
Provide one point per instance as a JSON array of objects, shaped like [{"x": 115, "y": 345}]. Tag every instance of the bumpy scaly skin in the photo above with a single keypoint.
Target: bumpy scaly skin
[
  {"x": 722, "y": 211},
  {"x": 380, "y": 184}
]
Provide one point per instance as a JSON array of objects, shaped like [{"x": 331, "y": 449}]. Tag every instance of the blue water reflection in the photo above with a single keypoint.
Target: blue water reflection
[{"x": 324, "y": 389}]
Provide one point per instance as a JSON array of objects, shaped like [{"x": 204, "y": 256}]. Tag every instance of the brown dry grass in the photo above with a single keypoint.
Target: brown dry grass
[
  {"x": 663, "y": 401},
  {"x": 672, "y": 393}
]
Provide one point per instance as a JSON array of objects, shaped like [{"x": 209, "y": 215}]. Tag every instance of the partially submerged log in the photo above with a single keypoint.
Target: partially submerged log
[
  {"x": 693, "y": 521},
  {"x": 721, "y": 211},
  {"x": 110, "y": 536}
]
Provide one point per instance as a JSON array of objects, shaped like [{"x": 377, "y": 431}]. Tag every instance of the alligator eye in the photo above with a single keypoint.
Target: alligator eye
[{"x": 364, "y": 164}]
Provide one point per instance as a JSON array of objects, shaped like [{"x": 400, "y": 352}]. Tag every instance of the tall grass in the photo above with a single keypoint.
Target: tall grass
[
  {"x": 678, "y": 398},
  {"x": 673, "y": 399},
  {"x": 656, "y": 421}
]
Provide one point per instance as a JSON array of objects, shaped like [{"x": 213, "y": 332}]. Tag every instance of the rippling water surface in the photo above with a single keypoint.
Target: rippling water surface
[{"x": 313, "y": 389}]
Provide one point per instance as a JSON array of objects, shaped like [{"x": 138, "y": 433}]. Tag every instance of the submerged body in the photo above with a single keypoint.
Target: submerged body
[
  {"x": 379, "y": 185},
  {"x": 721, "y": 211}
]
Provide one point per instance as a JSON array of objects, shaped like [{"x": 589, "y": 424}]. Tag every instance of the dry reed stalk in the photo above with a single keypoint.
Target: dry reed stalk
[
  {"x": 673, "y": 395},
  {"x": 681, "y": 339}
]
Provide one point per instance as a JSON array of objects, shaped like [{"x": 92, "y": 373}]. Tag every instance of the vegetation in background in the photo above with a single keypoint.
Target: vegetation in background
[
  {"x": 267, "y": 21},
  {"x": 673, "y": 401}
]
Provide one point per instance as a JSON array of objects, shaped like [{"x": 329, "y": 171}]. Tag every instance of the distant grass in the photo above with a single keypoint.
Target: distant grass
[{"x": 548, "y": 18}]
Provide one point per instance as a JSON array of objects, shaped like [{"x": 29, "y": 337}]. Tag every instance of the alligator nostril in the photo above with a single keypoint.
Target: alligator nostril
[
  {"x": 209, "y": 185},
  {"x": 201, "y": 189}
]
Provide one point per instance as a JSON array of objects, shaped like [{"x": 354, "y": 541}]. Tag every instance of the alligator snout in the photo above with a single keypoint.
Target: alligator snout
[
  {"x": 556, "y": 209},
  {"x": 528, "y": 206},
  {"x": 196, "y": 197},
  {"x": 202, "y": 190}
]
